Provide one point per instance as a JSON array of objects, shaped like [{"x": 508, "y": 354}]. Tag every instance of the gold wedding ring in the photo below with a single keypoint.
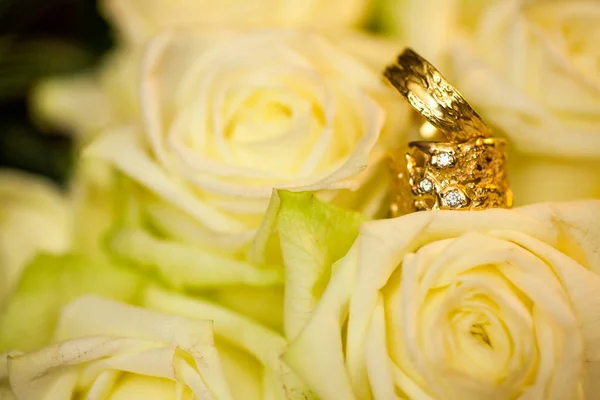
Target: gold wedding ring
[{"x": 467, "y": 171}]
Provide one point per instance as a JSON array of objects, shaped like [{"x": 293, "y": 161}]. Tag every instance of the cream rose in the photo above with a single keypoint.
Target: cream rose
[
  {"x": 110, "y": 350},
  {"x": 442, "y": 19},
  {"x": 84, "y": 104},
  {"x": 529, "y": 68},
  {"x": 494, "y": 304},
  {"x": 137, "y": 20},
  {"x": 105, "y": 349},
  {"x": 229, "y": 117},
  {"x": 34, "y": 216},
  {"x": 533, "y": 70}
]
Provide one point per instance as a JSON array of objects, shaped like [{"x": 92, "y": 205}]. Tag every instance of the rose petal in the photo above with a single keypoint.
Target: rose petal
[
  {"x": 49, "y": 282},
  {"x": 34, "y": 217},
  {"x": 318, "y": 351},
  {"x": 312, "y": 235},
  {"x": 121, "y": 148},
  {"x": 108, "y": 335},
  {"x": 187, "y": 266},
  {"x": 377, "y": 360},
  {"x": 264, "y": 344}
]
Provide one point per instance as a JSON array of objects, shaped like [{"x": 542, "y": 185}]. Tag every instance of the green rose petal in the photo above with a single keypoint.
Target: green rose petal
[
  {"x": 313, "y": 236},
  {"x": 185, "y": 266},
  {"x": 263, "y": 304},
  {"x": 29, "y": 316}
]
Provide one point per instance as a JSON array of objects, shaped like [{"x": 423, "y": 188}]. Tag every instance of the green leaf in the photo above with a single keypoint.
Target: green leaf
[
  {"x": 29, "y": 316},
  {"x": 313, "y": 236}
]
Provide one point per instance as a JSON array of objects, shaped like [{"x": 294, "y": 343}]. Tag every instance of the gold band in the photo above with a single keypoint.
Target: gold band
[
  {"x": 433, "y": 97},
  {"x": 452, "y": 176},
  {"x": 468, "y": 172}
]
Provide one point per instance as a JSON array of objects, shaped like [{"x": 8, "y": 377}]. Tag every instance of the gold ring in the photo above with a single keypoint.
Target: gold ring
[
  {"x": 453, "y": 176},
  {"x": 466, "y": 172},
  {"x": 434, "y": 98}
]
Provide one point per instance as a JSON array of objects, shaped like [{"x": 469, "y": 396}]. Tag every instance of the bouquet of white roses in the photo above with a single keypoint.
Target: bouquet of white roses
[{"x": 227, "y": 235}]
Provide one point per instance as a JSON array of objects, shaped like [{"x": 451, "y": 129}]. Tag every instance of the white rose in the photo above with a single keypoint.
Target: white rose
[
  {"x": 110, "y": 350},
  {"x": 494, "y": 304},
  {"x": 137, "y": 20},
  {"x": 34, "y": 216},
  {"x": 229, "y": 117},
  {"x": 529, "y": 68},
  {"x": 532, "y": 68},
  {"x": 105, "y": 348},
  {"x": 85, "y": 104},
  {"x": 443, "y": 21}
]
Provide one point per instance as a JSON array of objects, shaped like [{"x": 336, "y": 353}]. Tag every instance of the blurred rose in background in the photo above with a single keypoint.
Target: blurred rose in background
[
  {"x": 529, "y": 67},
  {"x": 532, "y": 69},
  {"x": 152, "y": 133}
]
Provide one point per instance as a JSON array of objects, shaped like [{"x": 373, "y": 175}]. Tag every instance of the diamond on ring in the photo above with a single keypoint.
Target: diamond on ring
[
  {"x": 444, "y": 159},
  {"x": 425, "y": 185},
  {"x": 455, "y": 198},
  {"x": 458, "y": 164}
]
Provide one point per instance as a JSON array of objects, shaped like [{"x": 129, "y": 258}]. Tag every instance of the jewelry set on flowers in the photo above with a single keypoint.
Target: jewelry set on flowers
[{"x": 467, "y": 170}]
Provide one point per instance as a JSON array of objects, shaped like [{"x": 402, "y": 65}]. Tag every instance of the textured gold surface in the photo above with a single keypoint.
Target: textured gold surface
[
  {"x": 433, "y": 97},
  {"x": 466, "y": 172},
  {"x": 402, "y": 199},
  {"x": 479, "y": 172}
]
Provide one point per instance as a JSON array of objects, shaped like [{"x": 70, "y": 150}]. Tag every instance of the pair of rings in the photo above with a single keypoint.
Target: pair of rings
[{"x": 466, "y": 169}]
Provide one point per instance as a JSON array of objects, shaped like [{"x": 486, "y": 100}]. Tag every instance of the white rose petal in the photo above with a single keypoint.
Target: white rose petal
[
  {"x": 100, "y": 340},
  {"x": 532, "y": 69},
  {"x": 227, "y": 117},
  {"x": 34, "y": 216},
  {"x": 480, "y": 305},
  {"x": 137, "y": 20}
]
